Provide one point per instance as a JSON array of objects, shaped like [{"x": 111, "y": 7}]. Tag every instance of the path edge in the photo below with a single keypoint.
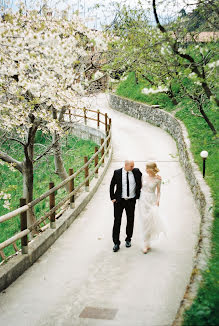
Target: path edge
[
  {"x": 18, "y": 263},
  {"x": 200, "y": 190}
]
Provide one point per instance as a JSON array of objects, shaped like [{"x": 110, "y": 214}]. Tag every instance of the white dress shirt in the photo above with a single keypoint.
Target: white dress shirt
[{"x": 132, "y": 184}]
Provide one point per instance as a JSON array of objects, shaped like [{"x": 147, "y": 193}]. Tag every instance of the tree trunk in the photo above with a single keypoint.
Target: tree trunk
[
  {"x": 174, "y": 101},
  {"x": 59, "y": 165},
  {"x": 136, "y": 78},
  {"x": 28, "y": 173},
  {"x": 210, "y": 124},
  {"x": 28, "y": 189},
  {"x": 171, "y": 96},
  {"x": 209, "y": 93}
]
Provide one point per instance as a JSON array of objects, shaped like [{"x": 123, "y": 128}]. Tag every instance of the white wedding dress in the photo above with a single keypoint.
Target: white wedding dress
[{"x": 151, "y": 223}]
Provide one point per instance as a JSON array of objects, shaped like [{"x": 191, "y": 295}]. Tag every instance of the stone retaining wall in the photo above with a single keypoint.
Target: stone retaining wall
[
  {"x": 199, "y": 188},
  {"x": 81, "y": 131}
]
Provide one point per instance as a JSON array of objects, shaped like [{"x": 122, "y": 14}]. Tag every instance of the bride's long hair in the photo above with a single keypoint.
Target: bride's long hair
[{"x": 153, "y": 167}]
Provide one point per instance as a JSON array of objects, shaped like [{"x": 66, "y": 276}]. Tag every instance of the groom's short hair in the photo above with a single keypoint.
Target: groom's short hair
[{"x": 129, "y": 161}]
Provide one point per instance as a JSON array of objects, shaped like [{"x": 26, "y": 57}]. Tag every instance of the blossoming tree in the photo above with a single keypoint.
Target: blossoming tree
[{"x": 42, "y": 73}]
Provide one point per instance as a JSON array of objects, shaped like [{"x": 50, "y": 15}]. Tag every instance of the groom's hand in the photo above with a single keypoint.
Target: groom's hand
[{"x": 114, "y": 200}]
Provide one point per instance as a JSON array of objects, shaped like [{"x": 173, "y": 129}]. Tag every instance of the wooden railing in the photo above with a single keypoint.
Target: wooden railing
[
  {"x": 85, "y": 117},
  {"x": 97, "y": 159}
]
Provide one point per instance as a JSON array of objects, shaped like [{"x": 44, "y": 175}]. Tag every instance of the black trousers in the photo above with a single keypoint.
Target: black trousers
[{"x": 129, "y": 206}]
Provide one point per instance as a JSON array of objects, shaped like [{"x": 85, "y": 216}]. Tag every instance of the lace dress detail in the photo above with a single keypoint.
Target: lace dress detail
[{"x": 150, "y": 221}]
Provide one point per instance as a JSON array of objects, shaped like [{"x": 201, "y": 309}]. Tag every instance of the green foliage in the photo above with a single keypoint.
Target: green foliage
[
  {"x": 130, "y": 89},
  {"x": 74, "y": 150},
  {"x": 204, "y": 17},
  {"x": 173, "y": 61}
]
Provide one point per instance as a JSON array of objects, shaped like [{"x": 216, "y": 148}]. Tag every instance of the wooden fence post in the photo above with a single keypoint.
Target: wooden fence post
[
  {"x": 85, "y": 116},
  {"x": 98, "y": 119},
  {"x": 102, "y": 150},
  {"x": 96, "y": 162},
  {"x": 23, "y": 219},
  {"x": 51, "y": 205},
  {"x": 2, "y": 255},
  {"x": 71, "y": 188},
  {"x": 110, "y": 126},
  {"x": 107, "y": 143},
  {"x": 86, "y": 173},
  {"x": 15, "y": 247},
  {"x": 106, "y": 122}
]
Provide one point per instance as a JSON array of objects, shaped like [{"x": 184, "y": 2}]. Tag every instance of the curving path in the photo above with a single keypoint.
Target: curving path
[{"x": 80, "y": 270}]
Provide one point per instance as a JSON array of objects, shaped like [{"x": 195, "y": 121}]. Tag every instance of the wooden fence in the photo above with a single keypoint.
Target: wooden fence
[{"x": 97, "y": 160}]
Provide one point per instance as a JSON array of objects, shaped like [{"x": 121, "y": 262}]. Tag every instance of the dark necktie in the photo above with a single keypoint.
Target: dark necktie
[{"x": 127, "y": 176}]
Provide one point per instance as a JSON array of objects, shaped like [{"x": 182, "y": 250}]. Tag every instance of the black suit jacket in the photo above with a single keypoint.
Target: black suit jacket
[{"x": 117, "y": 181}]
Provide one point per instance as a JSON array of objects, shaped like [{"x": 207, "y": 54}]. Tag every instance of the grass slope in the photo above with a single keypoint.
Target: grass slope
[
  {"x": 128, "y": 88},
  {"x": 74, "y": 150}
]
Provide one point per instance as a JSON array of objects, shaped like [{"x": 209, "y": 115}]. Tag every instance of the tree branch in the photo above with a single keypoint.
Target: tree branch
[
  {"x": 61, "y": 114},
  {"x": 161, "y": 28},
  {"x": 17, "y": 140},
  {"x": 174, "y": 46},
  {"x": 46, "y": 151},
  {"x": 7, "y": 158},
  {"x": 195, "y": 114}
]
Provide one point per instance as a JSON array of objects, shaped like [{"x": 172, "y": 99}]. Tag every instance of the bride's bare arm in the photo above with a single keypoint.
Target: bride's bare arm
[{"x": 158, "y": 191}]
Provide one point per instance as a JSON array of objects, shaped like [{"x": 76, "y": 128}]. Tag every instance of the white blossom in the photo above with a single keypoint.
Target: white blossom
[
  {"x": 98, "y": 74},
  {"x": 42, "y": 54},
  {"x": 153, "y": 91},
  {"x": 213, "y": 64}
]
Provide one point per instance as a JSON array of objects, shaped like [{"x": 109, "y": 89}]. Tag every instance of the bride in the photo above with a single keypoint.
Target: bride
[{"x": 148, "y": 203}]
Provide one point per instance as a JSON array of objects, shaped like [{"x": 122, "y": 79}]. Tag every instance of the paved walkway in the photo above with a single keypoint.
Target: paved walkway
[{"x": 80, "y": 270}]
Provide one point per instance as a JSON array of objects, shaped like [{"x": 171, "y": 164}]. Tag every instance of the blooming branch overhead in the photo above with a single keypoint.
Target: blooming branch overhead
[{"x": 42, "y": 65}]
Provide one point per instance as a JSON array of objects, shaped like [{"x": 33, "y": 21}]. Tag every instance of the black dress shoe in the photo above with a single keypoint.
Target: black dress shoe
[
  {"x": 128, "y": 244},
  {"x": 116, "y": 248}
]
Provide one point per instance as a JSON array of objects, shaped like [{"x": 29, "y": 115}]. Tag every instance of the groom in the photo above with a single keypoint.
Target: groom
[{"x": 127, "y": 181}]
